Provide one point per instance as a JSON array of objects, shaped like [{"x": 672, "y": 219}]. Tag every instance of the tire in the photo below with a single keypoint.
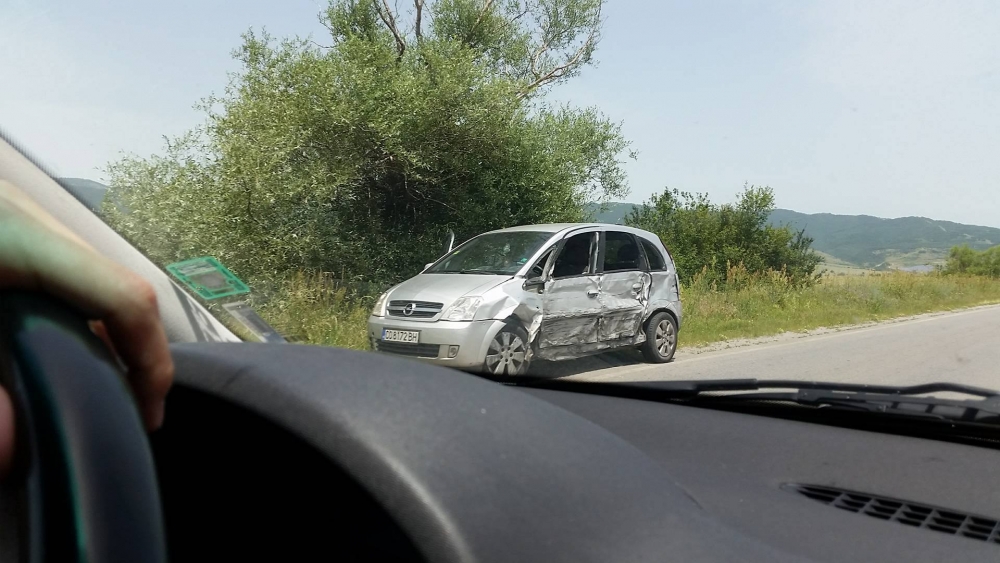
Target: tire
[
  {"x": 661, "y": 338},
  {"x": 505, "y": 356}
]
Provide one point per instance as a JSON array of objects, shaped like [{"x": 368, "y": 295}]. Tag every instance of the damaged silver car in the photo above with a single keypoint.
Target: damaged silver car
[{"x": 549, "y": 292}]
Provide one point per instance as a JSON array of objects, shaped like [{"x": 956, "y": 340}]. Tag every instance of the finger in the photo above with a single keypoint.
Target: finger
[
  {"x": 101, "y": 331},
  {"x": 6, "y": 433},
  {"x": 141, "y": 342}
]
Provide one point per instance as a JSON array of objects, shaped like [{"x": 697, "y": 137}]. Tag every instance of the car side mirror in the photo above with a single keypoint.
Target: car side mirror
[
  {"x": 428, "y": 265},
  {"x": 534, "y": 284},
  {"x": 449, "y": 242}
]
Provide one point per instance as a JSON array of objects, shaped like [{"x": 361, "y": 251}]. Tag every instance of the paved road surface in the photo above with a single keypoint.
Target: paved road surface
[{"x": 959, "y": 347}]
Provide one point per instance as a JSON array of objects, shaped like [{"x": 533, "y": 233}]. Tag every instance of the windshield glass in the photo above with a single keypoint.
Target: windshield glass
[
  {"x": 493, "y": 253},
  {"x": 774, "y": 173}
]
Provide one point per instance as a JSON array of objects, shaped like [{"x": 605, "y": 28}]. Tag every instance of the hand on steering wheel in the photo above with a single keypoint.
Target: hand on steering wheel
[{"x": 38, "y": 253}]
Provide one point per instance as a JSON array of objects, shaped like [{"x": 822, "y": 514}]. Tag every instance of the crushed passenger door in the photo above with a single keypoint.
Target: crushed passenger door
[{"x": 571, "y": 307}]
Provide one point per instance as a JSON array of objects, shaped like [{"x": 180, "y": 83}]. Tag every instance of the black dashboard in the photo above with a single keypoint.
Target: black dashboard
[{"x": 300, "y": 453}]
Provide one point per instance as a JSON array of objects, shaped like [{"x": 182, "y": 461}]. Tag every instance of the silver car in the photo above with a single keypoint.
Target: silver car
[{"x": 548, "y": 292}]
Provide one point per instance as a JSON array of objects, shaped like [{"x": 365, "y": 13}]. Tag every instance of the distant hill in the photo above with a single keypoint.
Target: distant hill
[
  {"x": 89, "y": 192},
  {"x": 869, "y": 241},
  {"x": 862, "y": 240}
]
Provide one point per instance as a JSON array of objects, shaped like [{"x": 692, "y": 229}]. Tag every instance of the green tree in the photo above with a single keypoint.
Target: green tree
[
  {"x": 703, "y": 235},
  {"x": 356, "y": 156},
  {"x": 965, "y": 260}
]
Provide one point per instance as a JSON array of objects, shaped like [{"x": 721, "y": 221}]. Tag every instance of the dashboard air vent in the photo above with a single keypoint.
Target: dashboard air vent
[{"x": 905, "y": 512}]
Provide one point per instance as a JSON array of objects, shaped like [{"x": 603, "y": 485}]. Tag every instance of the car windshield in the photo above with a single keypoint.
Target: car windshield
[
  {"x": 492, "y": 253},
  {"x": 728, "y": 187}
]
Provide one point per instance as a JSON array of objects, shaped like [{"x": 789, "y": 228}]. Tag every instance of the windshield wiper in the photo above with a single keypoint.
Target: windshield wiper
[{"x": 884, "y": 399}]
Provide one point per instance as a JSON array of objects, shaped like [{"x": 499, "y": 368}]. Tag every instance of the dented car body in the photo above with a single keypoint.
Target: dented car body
[{"x": 550, "y": 292}]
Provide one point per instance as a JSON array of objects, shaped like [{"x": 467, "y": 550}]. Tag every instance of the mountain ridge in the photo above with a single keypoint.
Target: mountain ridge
[{"x": 864, "y": 240}]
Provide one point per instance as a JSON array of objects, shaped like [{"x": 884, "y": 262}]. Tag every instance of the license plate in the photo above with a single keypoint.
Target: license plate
[{"x": 407, "y": 336}]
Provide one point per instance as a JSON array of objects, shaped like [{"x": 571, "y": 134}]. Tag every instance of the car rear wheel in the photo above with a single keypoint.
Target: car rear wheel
[
  {"x": 661, "y": 338},
  {"x": 507, "y": 354}
]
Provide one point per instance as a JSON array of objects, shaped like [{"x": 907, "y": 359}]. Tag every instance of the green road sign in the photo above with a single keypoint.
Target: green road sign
[{"x": 208, "y": 278}]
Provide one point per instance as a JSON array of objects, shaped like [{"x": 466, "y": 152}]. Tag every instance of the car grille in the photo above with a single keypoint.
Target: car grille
[
  {"x": 418, "y": 309},
  {"x": 404, "y": 349}
]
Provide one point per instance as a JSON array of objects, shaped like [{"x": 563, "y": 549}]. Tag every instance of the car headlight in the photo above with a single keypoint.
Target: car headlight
[
  {"x": 464, "y": 309},
  {"x": 379, "y": 309}
]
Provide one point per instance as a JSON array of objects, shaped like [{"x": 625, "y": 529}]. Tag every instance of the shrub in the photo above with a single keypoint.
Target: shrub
[
  {"x": 965, "y": 260},
  {"x": 707, "y": 238}
]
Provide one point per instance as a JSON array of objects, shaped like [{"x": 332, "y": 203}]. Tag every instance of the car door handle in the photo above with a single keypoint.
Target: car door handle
[{"x": 592, "y": 293}]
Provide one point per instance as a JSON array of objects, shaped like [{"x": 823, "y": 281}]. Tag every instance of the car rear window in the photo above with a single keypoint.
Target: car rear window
[{"x": 653, "y": 255}]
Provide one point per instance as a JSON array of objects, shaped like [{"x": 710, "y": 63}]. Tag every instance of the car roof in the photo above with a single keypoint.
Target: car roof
[{"x": 555, "y": 228}]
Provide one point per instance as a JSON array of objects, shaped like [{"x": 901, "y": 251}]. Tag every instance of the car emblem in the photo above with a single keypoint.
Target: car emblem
[{"x": 408, "y": 310}]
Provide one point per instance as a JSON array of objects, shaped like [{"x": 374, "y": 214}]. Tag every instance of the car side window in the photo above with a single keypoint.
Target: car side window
[
  {"x": 653, "y": 255},
  {"x": 621, "y": 252},
  {"x": 574, "y": 258},
  {"x": 539, "y": 268}
]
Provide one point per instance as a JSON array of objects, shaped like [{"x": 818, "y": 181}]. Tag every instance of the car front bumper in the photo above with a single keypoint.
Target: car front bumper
[{"x": 437, "y": 340}]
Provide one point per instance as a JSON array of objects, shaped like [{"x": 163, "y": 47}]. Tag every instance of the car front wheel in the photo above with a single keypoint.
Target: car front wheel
[{"x": 507, "y": 354}]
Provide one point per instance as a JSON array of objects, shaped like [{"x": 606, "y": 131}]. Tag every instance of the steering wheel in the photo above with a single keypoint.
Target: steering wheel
[{"x": 83, "y": 484}]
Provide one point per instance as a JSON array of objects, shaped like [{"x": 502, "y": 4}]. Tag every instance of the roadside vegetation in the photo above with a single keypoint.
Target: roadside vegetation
[
  {"x": 965, "y": 260},
  {"x": 706, "y": 238},
  {"x": 331, "y": 168},
  {"x": 746, "y": 306},
  {"x": 752, "y": 305},
  {"x": 316, "y": 309}
]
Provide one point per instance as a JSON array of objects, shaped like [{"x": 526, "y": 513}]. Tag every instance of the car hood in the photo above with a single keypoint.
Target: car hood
[{"x": 444, "y": 288}]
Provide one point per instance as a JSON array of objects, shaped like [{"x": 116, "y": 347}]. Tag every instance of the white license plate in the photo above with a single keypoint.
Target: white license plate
[{"x": 408, "y": 336}]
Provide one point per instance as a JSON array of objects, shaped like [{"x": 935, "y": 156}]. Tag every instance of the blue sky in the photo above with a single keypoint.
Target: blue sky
[{"x": 888, "y": 108}]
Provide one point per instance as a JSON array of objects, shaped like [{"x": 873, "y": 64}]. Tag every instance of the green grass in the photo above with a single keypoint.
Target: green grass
[
  {"x": 315, "y": 310},
  {"x": 764, "y": 305}
]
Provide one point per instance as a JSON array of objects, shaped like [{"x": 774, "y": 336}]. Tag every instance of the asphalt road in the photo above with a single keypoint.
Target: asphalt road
[{"x": 961, "y": 347}]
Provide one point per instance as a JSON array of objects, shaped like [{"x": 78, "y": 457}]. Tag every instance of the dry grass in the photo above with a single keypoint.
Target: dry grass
[{"x": 763, "y": 305}]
